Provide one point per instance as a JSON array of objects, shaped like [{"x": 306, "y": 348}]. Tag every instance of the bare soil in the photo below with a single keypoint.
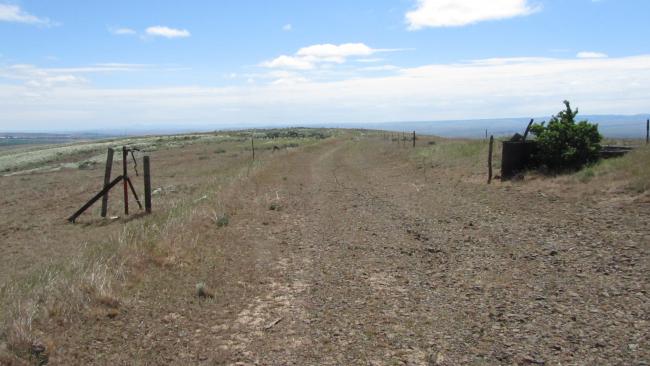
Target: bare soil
[{"x": 351, "y": 252}]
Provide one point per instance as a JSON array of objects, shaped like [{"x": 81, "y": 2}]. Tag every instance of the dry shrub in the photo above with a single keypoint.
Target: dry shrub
[{"x": 58, "y": 293}]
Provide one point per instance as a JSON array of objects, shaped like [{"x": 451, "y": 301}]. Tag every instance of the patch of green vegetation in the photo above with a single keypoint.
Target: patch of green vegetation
[
  {"x": 633, "y": 167},
  {"x": 565, "y": 144},
  {"x": 222, "y": 220},
  {"x": 470, "y": 153}
]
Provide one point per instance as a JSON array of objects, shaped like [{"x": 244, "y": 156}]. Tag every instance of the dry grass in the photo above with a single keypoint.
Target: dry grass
[
  {"x": 632, "y": 169},
  {"x": 175, "y": 269},
  {"x": 454, "y": 153},
  {"x": 631, "y": 172},
  {"x": 90, "y": 283},
  {"x": 57, "y": 294}
]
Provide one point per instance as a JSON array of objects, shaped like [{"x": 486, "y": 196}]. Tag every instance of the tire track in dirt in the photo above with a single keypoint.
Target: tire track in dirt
[
  {"x": 365, "y": 262},
  {"x": 359, "y": 304},
  {"x": 400, "y": 271}
]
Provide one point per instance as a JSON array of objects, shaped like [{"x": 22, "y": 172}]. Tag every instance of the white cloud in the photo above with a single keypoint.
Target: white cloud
[
  {"x": 455, "y": 13},
  {"x": 13, "y": 13},
  {"x": 369, "y": 60},
  {"x": 162, "y": 31},
  {"x": 380, "y": 68},
  {"x": 508, "y": 87},
  {"x": 289, "y": 62},
  {"x": 287, "y": 27},
  {"x": 334, "y": 53},
  {"x": 35, "y": 77},
  {"x": 589, "y": 54},
  {"x": 309, "y": 57},
  {"x": 59, "y": 80},
  {"x": 122, "y": 31}
]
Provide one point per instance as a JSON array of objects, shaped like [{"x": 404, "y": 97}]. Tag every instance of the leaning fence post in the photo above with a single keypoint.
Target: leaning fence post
[
  {"x": 147, "y": 184},
  {"x": 107, "y": 180},
  {"x": 490, "y": 159}
]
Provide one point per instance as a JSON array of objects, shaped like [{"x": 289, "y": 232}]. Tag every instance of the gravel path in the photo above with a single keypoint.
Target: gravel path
[{"x": 368, "y": 260}]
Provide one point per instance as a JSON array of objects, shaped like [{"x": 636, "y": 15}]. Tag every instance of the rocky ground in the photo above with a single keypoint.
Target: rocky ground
[{"x": 353, "y": 253}]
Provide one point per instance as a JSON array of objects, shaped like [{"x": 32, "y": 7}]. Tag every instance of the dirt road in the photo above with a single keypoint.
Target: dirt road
[{"x": 349, "y": 253}]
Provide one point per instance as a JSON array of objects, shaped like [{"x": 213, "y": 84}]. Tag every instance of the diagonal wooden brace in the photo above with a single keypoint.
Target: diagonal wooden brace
[{"x": 95, "y": 199}]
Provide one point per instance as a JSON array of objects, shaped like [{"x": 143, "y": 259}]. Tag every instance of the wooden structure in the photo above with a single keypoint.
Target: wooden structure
[
  {"x": 516, "y": 154},
  {"x": 516, "y": 157},
  {"x": 491, "y": 148},
  {"x": 126, "y": 181},
  {"x": 253, "y": 146}
]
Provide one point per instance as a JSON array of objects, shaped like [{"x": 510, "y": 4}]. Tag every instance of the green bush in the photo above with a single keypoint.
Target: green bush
[{"x": 564, "y": 144}]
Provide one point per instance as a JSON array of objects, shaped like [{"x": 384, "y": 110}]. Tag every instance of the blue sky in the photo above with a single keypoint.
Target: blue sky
[{"x": 93, "y": 65}]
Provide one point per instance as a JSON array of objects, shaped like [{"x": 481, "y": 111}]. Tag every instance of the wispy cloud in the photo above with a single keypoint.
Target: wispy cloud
[
  {"x": 456, "y": 13},
  {"x": 590, "y": 54},
  {"x": 46, "y": 78},
  {"x": 310, "y": 57},
  {"x": 472, "y": 89},
  {"x": 122, "y": 31},
  {"x": 289, "y": 62},
  {"x": 14, "y": 14},
  {"x": 287, "y": 27},
  {"x": 167, "y": 32},
  {"x": 380, "y": 68}
]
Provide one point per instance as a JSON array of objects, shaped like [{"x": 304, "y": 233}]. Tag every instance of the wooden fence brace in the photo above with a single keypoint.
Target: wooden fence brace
[
  {"x": 107, "y": 180},
  {"x": 147, "y": 184},
  {"x": 413, "y": 138},
  {"x": 95, "y": 198},
  {"x": 528, "y": 129},
  {"x": 134, "y": 193},
  {"x": 490, "y": 159},
  {"x": 125, "y": 177}
]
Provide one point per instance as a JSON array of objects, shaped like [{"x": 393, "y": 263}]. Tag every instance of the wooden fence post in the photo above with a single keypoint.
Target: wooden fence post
[
  {"x": 413, "y": 138},
  {"x": 107, "y": 180},
  {"x": 253, "y": 146},
  {"x": 528, "y": 129},
  {"x": 647, "y": 131},
  {"x": 125, "y": 176},
  {"x": 147, "y": 184},
  {"x": 490, "y": 159}
]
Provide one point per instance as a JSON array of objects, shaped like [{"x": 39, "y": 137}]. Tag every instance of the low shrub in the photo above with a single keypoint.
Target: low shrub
[{"x": 564, "y": 144}]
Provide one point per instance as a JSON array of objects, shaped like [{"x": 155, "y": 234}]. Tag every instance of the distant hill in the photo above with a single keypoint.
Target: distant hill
[
  {"x": 609, "y": 125},
  {"x": 10, "y": 139},
  {"x": 615, "y": 126}
]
